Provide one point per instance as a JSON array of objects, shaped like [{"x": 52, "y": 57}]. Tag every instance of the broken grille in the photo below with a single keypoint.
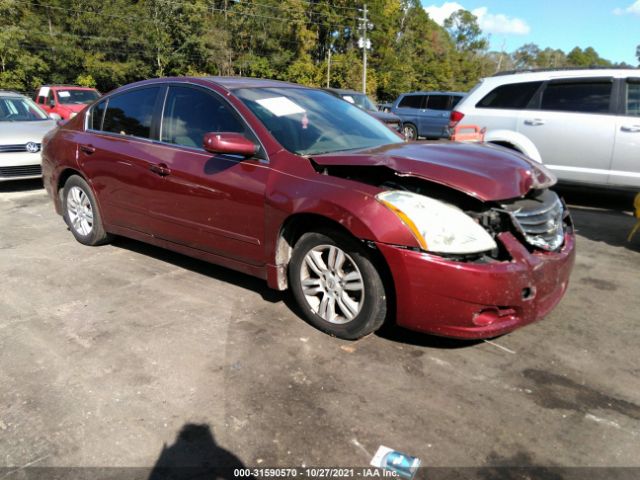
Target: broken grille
[{"x": 540, "y": 219}]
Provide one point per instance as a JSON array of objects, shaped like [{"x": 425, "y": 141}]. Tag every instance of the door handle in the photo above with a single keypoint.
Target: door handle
[
  {"x": 160, "y": 169},
  {"x": 88, "y": 149},
  {"x": 630, "y": 128},
  {"x": 534, "y": 122}
]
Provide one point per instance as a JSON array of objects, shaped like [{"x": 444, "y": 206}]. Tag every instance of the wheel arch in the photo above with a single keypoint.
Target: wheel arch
[
  {"x": 64, "y": 175},
  {"x": 515, "y": 141},
  {"x": 296, "y": 225}
]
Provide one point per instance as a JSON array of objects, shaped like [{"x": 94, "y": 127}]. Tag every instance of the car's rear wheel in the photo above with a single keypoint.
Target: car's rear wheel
[
  {"x": 81, "y": 212},
  {"x": 409, "y": 131},
  {"x": 336, "y": 285}
]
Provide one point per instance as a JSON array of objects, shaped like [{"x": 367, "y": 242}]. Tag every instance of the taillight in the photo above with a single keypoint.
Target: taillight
[{"x": 455, "y": 118}]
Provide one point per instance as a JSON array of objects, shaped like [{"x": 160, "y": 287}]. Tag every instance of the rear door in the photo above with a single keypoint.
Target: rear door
[
  {"x": 434, "y": 117},
  {"x": 116, "y": 153},
  {"x": 409, "y": 109},
  {"x": 572, "y": 125},
  {"x": 625, "y": 168}
]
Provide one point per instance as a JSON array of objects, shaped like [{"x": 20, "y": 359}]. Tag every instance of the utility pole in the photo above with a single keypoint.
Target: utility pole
[
  {"x": 364, "y": 43},
  {"x": 329, "y": 67}
]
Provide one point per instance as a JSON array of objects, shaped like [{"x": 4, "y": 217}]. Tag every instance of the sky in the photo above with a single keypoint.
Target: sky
[{"x": 611, "y": 27}]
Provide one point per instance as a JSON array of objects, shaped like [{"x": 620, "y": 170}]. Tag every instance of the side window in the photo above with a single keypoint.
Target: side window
[
  {"x": 455, "y": 99},
  {"x": 580, "y": 97},
  {"x": 131, "y": 113},
  {"x": 411, "y": 101},
  {"x": 633, "y": 99},
  {"x": 438, "y": 102},
  {"x": 49, "y": 100},
  {"x": 189, "y": 113},
  {"x": 514, "y": 96},
  {"x": 96, "y": 116}
]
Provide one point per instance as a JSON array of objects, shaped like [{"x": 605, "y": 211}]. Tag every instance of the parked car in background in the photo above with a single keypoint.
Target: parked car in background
[
  {"x": 583, "y": 124},
  {"x": 385, "y": 106},
  {"x": 425, "y": 114},
  {"x": 66, "y": 101},
  {"x": 361, "y": 100},
  {"x": 307, "y": 191},
  {"x": 22, "y": 126}
]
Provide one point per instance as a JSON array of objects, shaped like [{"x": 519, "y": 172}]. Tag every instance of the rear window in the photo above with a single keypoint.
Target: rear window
[
  {"x": 580, "y": 97},
  {"x": 455, "y": 100},
  {"x": 633, "y": 99},
  {"x": 131, "y": 113},
  {"x": 514, "y": 96},
  {"x": 411, "y": 101},
  {"x": 438, "y": 102}
]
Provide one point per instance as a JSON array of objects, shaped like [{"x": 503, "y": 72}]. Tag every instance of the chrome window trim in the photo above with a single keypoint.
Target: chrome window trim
[{"x": 166, "y": 85}]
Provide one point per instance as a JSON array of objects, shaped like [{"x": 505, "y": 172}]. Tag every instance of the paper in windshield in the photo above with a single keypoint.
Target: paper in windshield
[{"x": 281, "y": 106}]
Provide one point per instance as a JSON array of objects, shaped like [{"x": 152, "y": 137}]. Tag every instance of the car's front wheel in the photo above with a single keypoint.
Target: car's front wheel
[
  {"x": 81, "y": 212},
  {"x": 337, "y": 285}
]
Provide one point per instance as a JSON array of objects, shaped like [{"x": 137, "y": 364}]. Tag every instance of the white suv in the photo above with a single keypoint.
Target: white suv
[{"x": 583, "y": 124}]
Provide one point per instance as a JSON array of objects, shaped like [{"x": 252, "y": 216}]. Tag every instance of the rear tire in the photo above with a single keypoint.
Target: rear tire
[
  {"x": 81, "y": 212},
  {"x": 409, "y": 131},
  {"x": 336, "y": 285}
]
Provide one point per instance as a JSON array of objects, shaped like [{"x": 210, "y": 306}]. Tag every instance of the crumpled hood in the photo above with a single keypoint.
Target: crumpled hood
[{"x": 484, "y": 171}]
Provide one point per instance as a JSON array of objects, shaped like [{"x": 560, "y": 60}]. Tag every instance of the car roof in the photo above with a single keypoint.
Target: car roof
[
  {"x": 67, "y": 87},
  {"x": 551, "y": 73},
  {"x": 232, "y": 83},
  {"x": 228, "y": 83},
  {"x": 10, "y": 93},
  {"x": 434, "y": 92}
]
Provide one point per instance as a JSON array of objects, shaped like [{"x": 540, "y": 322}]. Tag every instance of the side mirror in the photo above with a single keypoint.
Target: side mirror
[
  {"x": 55, "y": 116},
  {"x": 52, "y": 103},
  {"x": 229, "y": 143}
]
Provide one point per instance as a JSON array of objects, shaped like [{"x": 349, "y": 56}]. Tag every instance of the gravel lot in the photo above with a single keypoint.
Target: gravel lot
[{"x": 107, "y": 353}]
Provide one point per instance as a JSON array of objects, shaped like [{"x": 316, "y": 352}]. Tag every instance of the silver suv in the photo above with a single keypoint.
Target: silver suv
[{"x": 582, "y": 124}]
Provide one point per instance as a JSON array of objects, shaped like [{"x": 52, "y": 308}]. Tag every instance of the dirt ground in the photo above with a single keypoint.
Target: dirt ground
[{"x": 110, "y": 356}]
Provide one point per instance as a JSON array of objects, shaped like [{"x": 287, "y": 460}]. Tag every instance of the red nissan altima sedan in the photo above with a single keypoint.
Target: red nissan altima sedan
[{"x": 295, "y": 186}]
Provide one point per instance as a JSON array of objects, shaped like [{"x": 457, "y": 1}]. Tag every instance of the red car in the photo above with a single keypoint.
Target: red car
[
  {"x": 295, "y": 186},
  {"x": 66, "y": 101}
]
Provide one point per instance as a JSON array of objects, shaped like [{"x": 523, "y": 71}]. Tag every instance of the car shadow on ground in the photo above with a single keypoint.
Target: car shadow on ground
[
  {"x": 201, "y": 267},
  {"x": 390, "y": 331},
  {"x": 602, "y": 216},
  {"x": 195, "y": 455},
  {"x": 21, "y": 185}
]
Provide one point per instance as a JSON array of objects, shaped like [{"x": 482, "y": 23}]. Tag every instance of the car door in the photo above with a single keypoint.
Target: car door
[
  {"x": 625, "y": 168},
  {"x": 434, "y": 117},
  {"x": 116, "y": 153},
  {"x": 572, "y": 125},
  {"x": 209, "y": 202},
  {"x": 409, "y": 109}
]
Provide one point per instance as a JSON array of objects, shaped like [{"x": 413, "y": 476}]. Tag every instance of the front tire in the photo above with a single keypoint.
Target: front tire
[
  {"x": 81, "y": 212},
  {"x": 336, "y": 285}
]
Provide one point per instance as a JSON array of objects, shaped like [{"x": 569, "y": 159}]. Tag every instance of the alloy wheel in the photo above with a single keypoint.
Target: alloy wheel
[
  {"x": 332, "y": 284},
  {"x": 79, "y": 211}
]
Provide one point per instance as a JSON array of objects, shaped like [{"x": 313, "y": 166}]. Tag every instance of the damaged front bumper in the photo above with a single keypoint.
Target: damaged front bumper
[{"x": 478, "y": 300}]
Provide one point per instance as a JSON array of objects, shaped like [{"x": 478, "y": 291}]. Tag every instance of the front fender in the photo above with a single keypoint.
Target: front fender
[{"x": 517, "y": 140}]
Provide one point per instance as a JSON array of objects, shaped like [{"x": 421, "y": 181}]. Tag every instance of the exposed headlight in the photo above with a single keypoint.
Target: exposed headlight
[{"x": 437, "y": 226}]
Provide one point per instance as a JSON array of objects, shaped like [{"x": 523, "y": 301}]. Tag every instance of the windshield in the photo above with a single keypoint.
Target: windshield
[
  {"x": 361, "y": 100},
  {"x": 20, "y": 109},
  {"x": 77, "y": 96},
  {"x": 311, "y": 122}
]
